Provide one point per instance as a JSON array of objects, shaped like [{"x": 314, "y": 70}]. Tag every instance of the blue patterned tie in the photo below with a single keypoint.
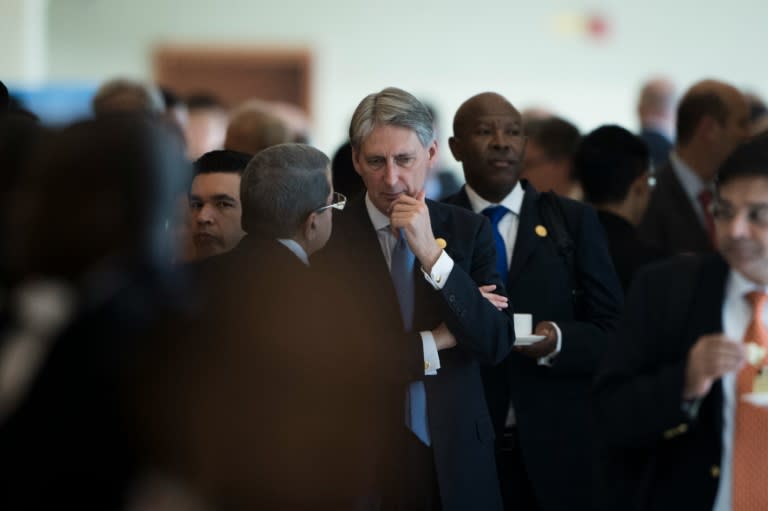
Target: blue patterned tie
[
  {"x": 401, "y": 271},
  {"x": 495, "y": 214}
]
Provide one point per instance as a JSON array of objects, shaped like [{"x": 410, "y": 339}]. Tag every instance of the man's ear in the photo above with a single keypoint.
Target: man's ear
[
  {"x": 309, "y": 228},
  {"x": 711, "y": 128},
  {"x": 640, "y": 185},
  {"x": 455, "y": 149},
  {"x": 432, "y": 153}
]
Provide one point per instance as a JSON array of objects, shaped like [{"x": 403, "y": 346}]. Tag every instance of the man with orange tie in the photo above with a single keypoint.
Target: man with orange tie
[{"x": 682, "y": 397}]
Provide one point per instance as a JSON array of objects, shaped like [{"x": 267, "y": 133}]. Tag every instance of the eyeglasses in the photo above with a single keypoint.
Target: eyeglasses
[
  {"x": 757, "y": 214},
  {"x": 339, "y": 201}
]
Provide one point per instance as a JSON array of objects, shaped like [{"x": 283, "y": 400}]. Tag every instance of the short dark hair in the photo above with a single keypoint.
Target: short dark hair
[
  {"x": 694, "y": 107},
  {"x": 556, "y": 137},
  {"x": 607, "y": 162},
  {"x": 170, "y": 98},
  {"x": 222, "y": 160},
  {"x": 346, "y": 180},
  {"x": 281, "y": 186},
  {"x": 750, "y": 159}
]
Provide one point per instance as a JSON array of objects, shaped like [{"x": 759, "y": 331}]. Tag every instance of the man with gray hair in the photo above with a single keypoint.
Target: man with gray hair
[
  {"x": 297, "y": 429},
  {"x": 418, "y": 265},
  {"x": 286, "y": 196}
]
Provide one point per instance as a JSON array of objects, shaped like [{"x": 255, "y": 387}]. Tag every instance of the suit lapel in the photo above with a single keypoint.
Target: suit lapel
[
  {"x": 527, "y": 240},
  {"x": 683, "y": 206},
  {"x": 362, "y": 245}
]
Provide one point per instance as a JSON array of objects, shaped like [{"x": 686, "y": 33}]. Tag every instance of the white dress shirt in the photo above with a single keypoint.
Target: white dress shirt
[
  {"x": 436, "y": 277},
  {"x": 508, "y": 226},
  {"x": 737, "y": 313},
  {"x": 296, "y": 248}
]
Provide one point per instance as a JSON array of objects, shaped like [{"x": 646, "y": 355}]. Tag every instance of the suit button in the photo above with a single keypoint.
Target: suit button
[
  {"x": 715, "y": 471},
  {"x": 676, "y": 431}
]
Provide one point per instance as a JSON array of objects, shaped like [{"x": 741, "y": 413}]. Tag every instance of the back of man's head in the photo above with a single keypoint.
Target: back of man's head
[
  {"x": 127, "y": 96},
  {"x": 608, "y": 160},
  {"x": 706, "y": 98},
  {"x": 99, "y": 192},
  {"x": 281, "y": 186},
  {"x": 393, "y": 107},
  {"x": 748, "y": 160},
  {"x": 252, "y": 127},
  {"x": 557, "y": 138},
  {"x": 548, "y": 161},
  {"x": 656, "y": 104}
]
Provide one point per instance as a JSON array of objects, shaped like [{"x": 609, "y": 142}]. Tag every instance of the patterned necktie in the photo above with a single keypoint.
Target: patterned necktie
[
  {"x": 495, "y": 214},
  {"x": 750, "y": 445},
  {"x": 705, "y": 199},
  {"x": 401, "y": 271}
]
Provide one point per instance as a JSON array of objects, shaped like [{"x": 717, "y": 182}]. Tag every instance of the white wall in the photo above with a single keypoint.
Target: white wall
[
  {"x": 23, "y": 38},
  {"x": 444, "y": 51}
]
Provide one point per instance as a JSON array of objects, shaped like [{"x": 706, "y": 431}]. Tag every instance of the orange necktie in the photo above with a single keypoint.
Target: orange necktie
[{"x": 750, "y": 446}]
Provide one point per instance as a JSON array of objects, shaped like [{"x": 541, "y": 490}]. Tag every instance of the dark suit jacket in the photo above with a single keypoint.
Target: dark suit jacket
[
  {"x": 658, "y": 145},
  {"x": 290, "y": 390},
  {"x": 660, "y": 458},
  {"x": 559, "y": 460},
  {"x": 670, "y": 222},
  {"x": 628, "y": 252},
  {"x": 460, "y": 427}
]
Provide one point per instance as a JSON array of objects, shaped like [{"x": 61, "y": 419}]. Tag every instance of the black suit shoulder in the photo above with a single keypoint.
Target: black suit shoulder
[
  {"x": 628, "y": 251},
  {"x": 670, "y": 221},
  {"x": 660, "y": 457}
]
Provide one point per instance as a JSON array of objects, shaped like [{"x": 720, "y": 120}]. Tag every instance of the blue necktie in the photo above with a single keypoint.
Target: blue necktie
[
  {"x": 401, "y": 271},
  {"x": 495, "y": 214}
]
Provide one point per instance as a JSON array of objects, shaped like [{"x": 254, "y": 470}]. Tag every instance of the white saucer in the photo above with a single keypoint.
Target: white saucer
[
  {"x": 527, "y": 340},
  {"x": 756, "y": 398}
]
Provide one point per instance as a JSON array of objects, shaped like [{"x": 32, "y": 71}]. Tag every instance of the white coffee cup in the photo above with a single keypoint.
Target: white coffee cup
[{"x": 523, "y": 324}]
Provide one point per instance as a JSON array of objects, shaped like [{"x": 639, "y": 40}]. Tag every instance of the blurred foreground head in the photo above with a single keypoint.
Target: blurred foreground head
[
  {"x": 123, "y": 95},
  {"x": 98, "y": 196}
]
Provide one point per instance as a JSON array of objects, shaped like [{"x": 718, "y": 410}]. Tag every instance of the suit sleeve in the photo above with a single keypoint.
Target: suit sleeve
[
  {"x": 478, "y": 326},
  {"x": 639, "y": 385},
  {"x": 586, "y": 337}
]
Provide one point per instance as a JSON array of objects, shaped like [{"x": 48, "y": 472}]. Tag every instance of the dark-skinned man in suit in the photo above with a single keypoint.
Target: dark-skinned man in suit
[{"x": 539, "y": 397}]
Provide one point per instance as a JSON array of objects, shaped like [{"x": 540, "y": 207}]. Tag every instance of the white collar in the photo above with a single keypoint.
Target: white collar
[
  {"x": 513, "y": 201},
  {"x": 378, "y": 219},
  {"x": 296, "y": 248},
  {"x": 692, "y": 183},
  {"x": 738, "y": 285}
]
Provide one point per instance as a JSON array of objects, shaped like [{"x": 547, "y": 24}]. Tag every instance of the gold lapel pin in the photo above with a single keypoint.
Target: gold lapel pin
[
  {"x": 541, "y": 231},
  {"x": 441, "y": 243}
]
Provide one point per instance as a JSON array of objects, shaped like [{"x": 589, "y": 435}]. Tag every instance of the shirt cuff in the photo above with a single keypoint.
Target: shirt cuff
[
  {"x": 431, "y": 357},
  {"x": 548, "y": 360},
  {"x": 440, "y": 271}
]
